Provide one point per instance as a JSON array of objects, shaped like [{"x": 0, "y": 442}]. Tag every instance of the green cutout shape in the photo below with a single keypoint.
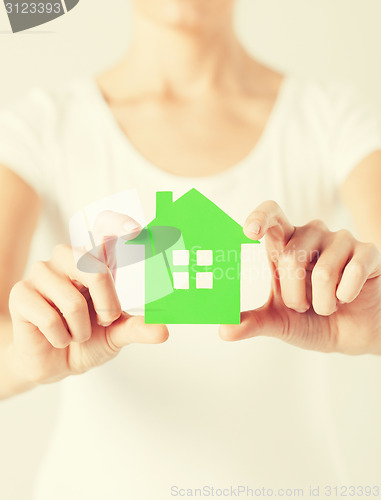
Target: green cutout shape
[{"x": 203, "y": 226}]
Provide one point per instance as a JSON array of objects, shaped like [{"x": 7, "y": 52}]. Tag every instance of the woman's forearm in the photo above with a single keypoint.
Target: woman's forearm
[{"x": 12, "y": 378}]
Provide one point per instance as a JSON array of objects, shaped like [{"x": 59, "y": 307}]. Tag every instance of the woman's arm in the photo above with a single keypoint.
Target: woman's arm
[
  {"x": 361, "y": 193},
  {"x": 326, "y": 287},
  {"x": 13, "y": 379},
  {"x": 61, "y": 321},
  {"x": 20, "y": 207}
]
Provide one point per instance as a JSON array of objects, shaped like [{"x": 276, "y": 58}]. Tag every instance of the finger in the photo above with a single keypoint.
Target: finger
[
  {"x": 132, "y": 329},
  {"x": 99, "y": 282},
  {"x": 108, "y": 227},
  {"x": 302, "y": 249},
  {"x": 34, "y": 309},
  {"x": 327, "y": 271},
  {"x": 114, "y": 224},
  {"x": 364, "y": 264},
  {"x": 59, "y": 290},
  {"x": 269, "y": 218},
  {"x": 262, "y": 321}
]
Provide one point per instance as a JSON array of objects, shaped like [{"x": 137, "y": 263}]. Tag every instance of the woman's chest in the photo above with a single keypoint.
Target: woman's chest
[
  {"x": 287, "y": 166},
  {"x": 194, "y": 140}
]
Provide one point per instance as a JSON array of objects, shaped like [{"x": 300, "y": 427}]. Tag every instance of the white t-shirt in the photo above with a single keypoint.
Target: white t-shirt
[{"x": 197, "y": 411}]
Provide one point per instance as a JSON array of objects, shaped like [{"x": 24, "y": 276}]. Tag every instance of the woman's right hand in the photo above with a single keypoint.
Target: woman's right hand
[{"x": 66, "y": 321}]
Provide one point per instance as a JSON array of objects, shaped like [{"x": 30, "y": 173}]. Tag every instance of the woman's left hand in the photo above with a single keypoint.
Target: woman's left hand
[{"x": 326, "y": 287}]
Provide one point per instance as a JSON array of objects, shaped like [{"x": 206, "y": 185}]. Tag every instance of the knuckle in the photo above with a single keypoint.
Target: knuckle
[
  {"x": 318, "y": 225},
  {"x": 16, "y": 294},
  {"x": 75, "y": 305},
  {"x": 59, "y": 250},
  {"x": 38, "y": 268},
  {"x": 50, "y": 321},
  {"x": 17, "y": 288},
  {"x": 344, "y": 235},
  {"x": 323, "y": 273},
  {"x": 288, "y": 258},
  {"x": 273, "y": 205},
  {"x": 371, "y": 250},
  {"x": 357, "y": 268}
]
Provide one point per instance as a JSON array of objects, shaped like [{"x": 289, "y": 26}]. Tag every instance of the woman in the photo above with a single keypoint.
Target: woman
[{"x": 187, "y": 107}]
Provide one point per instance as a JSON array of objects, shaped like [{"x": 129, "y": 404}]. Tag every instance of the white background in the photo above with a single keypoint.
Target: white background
[{"x": 338, "y": 39}]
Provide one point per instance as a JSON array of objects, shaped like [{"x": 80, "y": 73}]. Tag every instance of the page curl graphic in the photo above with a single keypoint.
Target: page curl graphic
[{"x": 24, "y": 15}]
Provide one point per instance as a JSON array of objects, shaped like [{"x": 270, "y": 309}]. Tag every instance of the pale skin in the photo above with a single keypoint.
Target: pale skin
[{"x": 196, "y": 84}]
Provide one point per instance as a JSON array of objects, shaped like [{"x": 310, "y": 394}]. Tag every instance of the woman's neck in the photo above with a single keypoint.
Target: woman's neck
[{"x": 181, "y": 63}]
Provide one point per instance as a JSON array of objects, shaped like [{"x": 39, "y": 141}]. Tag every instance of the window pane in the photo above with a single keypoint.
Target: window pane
[
  {"x": 204, "y": 257},
  {"x": 180, "y": 257},
  {"x": 204, "y": 280},
  {"x": 181, "y": 280}
]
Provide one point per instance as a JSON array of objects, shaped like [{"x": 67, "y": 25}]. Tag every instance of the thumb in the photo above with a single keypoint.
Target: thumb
[
  {"x": 132, "y": 329},
  {"x": 266, "y": 321}
]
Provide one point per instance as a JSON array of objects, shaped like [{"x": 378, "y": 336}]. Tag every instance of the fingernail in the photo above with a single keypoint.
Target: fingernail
[
  {"x": 105, "y": 325},
  {"x": 131, "y": 226},
  {"x": 253, "y": 227},
  {"x": 302, "y": 310},
  {"x": 102, "y": 322}
]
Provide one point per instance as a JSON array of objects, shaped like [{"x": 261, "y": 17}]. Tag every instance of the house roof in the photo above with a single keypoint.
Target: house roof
[
  {"x": 195, "y": 209},
  {"x": 194, "y": 219}
]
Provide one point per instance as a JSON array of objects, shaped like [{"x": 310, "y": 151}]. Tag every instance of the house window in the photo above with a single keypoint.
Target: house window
[
  {"x": 204, "y": 280},
  {"x": 180, "y": 280},
  {"x": 204, "y": 257}
]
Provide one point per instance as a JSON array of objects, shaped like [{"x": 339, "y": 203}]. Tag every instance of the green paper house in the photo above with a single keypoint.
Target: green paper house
[{"x": 196, "y": 277}]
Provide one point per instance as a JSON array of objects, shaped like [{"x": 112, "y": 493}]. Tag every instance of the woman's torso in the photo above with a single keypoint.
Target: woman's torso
[{"x": 197, "y": 411}]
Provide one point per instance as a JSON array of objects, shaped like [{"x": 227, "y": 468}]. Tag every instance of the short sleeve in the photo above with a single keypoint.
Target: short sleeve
[
  {"x": 24, "y": 126},
  {"x": 356, "y": 130}
]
